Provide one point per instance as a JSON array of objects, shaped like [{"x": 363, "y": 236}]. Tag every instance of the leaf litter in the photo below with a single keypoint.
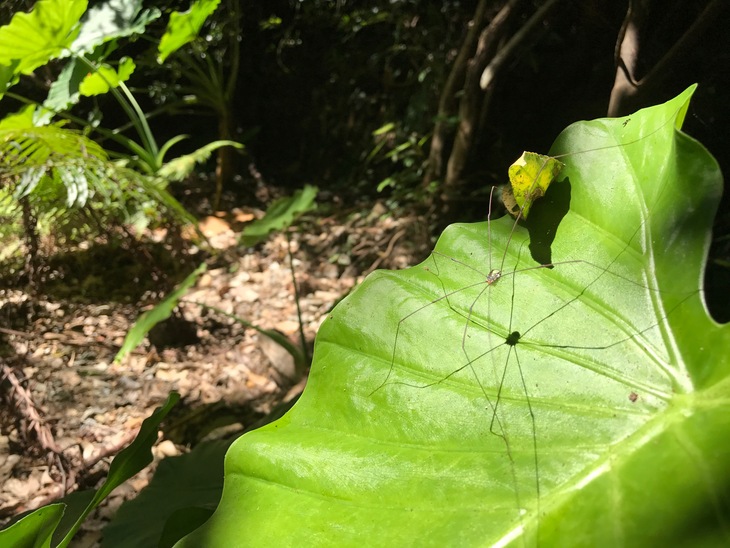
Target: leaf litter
[{"x": 61, "y": 350}]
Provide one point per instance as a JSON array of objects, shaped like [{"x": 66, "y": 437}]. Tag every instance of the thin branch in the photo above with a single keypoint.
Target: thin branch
[
  {"x": 518, "y": 41},
  {"x": 469, "y": 115},
  {"x": 302, "y": 338},
  {"x": 447, "y": 101},
  {"x": 26, "y": 407}
]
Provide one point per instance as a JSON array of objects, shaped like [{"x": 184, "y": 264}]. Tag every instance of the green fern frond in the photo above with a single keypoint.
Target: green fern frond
[{"x": 60, "y": 171}]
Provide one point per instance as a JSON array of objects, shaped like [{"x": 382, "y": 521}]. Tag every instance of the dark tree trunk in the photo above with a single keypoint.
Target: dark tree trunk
[
  {"x": 641, "y": 77},
  {"x": 448, "y": 103},
  {"x": 468, "y": 90},
  {"x": 226, "y": 157},
  {"x": 472, "y": 99}
]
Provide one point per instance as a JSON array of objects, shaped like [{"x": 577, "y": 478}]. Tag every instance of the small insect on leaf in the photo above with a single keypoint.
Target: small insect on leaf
[{"x": 530, "y": 176}]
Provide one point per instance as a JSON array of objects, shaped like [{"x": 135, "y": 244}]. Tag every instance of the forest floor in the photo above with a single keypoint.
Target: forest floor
[{"x": 68, "y": 408}]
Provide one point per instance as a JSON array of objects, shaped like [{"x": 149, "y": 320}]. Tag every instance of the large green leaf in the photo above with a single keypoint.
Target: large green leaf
[
  {"x": 102, "y": 23},
  {"x": 191, "y": 481},
  {"x": 111, "y": 20},
  {"x": 34, "y": 530},
  {"x": 57, "y": 523},
  {"x": 46, "y": 32},
  {"x": 184, "y": 27},
  {"x": 8, "y": 76},
  {"x": 585, "y": 404},
  {"x": 106, "y": 77},
  {"x": 64, "y": 91}
]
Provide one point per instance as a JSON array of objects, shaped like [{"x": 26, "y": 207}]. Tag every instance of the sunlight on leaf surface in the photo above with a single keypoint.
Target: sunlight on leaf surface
[
  {"x": 111, "y": 20},
  {"x": 99, "y": 82},
  {"x": 613, "y": 379},
  {"x": 37, "y": 37},
  {"x": 35, "y": 529},
  {"x": 184, "y": 27}
]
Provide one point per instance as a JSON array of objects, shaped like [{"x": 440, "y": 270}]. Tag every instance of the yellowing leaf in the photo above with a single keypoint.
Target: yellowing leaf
[{"x": 530, "y": 176}]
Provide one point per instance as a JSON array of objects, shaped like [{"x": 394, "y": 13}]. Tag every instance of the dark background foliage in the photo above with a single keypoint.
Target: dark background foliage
[{"x": 316, "y": 79}]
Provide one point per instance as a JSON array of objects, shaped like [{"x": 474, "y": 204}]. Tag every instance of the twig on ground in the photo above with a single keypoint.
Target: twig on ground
[
  {"x": 388, "y": 250},
  {"x": 26, "y": 407}
]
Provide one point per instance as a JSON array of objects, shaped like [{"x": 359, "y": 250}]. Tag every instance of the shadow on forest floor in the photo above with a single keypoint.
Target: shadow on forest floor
[{"x": 60, "y": 343}]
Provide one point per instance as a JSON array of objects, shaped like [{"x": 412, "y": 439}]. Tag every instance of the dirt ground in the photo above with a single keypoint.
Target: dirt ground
[{"x": 68, "y": 408}]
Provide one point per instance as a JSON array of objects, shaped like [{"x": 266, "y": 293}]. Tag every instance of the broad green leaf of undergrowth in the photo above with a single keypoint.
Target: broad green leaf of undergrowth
[
  {"x": 280, "y": 215},
  {"x": 8, "y": 76},
  {"x": 187, "y": 483},
  {"x": 102, "y": 23},
  {"x": 64, "y": 91},
  {"x": 182, "y": 166},
  {"x": 603, "y": 421},
  {"x": 44, "y": 33},
  {"x": 111, "y": 20},
  {"x": 159, "y": 313},
  {"x": 184, "y": 27},
  {"x": 128, "y": 462},
  {"x": 37, "y": 529},
  {"x": 99, "y": 82}
]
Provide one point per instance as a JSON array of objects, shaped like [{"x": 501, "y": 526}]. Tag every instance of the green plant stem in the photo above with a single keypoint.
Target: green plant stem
[
  {"x": 135, "y": 113},
  {"x": 146, "y": 132},
  {"x": 302, "y": 338}
]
